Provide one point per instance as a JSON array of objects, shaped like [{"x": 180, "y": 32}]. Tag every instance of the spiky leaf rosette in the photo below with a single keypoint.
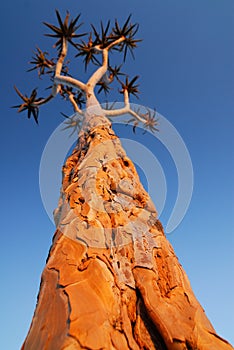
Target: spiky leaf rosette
[
  {"x": 115, "y": 72},
  {"x": 103, "y": 86},
  {"x": 130, "y": 86},
  {"x": 150, "y": 120},
  {"x": 128, "y": 31},
  {"x": 102, "y": 39},
  {"x": 112, "y": 74},
  {"x": 29, "y": 104},
  {"x": 65, "y": 31},
  {"x": 41, "y": 62},
  {"x": 88, "y": 52},
  {"x": 74, "y": 123}
]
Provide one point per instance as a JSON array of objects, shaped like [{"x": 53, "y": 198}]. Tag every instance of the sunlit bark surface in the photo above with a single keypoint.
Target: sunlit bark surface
[{"x": 112, "y": 280}]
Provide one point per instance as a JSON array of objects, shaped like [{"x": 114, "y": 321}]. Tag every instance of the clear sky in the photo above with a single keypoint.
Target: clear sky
[{"x": 186, "y": 68}]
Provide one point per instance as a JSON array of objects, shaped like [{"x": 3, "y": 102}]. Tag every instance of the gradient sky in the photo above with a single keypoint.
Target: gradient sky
[{"x": 186, "y": 68}]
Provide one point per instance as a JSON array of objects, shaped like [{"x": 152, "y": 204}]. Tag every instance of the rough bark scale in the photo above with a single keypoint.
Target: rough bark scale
[{"x": 112, "y": 280}]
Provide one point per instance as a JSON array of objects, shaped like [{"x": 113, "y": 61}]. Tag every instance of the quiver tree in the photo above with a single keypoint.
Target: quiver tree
[{"x": 112, "y": 280}]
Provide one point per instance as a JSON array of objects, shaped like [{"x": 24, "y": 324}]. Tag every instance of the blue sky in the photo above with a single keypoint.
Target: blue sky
[{"x": 186, "y": 68}]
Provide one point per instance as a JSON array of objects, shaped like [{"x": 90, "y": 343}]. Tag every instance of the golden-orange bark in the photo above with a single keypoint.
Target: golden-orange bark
[{"x": 112, "y": 279}]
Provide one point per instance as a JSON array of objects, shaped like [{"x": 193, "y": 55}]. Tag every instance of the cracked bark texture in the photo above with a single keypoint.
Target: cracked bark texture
[{"x": 112, "y": 280}]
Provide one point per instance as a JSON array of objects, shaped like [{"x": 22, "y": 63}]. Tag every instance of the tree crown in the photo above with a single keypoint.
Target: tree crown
[{"x": 99, "y": 42}]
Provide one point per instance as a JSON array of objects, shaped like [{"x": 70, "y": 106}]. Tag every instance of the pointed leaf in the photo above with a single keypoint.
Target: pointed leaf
[
  {"x": 59, "y": 18},
  {"x": 20, "y": 95}
]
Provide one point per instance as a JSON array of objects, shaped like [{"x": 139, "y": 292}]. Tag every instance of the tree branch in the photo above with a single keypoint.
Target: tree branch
[
  {"x": 136, "y": 115},
  {"x": 59, "y": 66},
  {"x": 71, "y": 82},
  {"x": 100, "y": 72},
  {"x": 63, "y": 54},
  {"x": 60, "y": 79},
  {"x": 44, "y": 100},
  {"x": 126, "y": 109},
  {"x": 116, "y": 42},
  {"x": 74, "y": 104}
]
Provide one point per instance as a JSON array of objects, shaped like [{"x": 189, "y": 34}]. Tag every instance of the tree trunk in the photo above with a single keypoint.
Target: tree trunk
[{"x": 112, "y": 280}]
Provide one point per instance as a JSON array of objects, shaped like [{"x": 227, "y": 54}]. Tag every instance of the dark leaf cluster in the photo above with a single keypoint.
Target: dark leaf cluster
[
  {"x": 87, "y": 52},
  {"x": 65, "y": 31},
  {"x": 150, "y": 121},
  {"x": 130, "y": 86},
  {"x": 41, "y": 62},
  {"x": 44, "y": 65},
  {"x": 115, "y": 72},
  {"x": 104, "y": 86},
  {"x": 104, "y": 37},
  {"x": 128, "y": 31},
  {"x": 73, "y": 123},
  {"x": 29, "y": 104}
]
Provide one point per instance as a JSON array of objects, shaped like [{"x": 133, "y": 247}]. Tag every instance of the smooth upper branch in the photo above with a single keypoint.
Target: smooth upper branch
[{"x": 94, "y": 50}]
